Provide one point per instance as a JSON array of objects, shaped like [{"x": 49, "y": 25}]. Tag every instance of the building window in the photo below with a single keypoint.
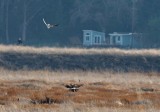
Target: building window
[
  {"x": 87, "y": 33},
  {"x": 113, "y": 39},
  {"x": 87, "y": 38},
  {"x": 119, "y": 38},
  {"x": 97, "y": 39}
]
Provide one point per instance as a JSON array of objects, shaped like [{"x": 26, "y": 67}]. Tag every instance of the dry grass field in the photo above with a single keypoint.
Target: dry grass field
[
  {"x": 31, "y": 58},
  {"x": 25, "y": 91},
  {"x": 75, "y": 51},
  {"x": 102, "y": 90}
]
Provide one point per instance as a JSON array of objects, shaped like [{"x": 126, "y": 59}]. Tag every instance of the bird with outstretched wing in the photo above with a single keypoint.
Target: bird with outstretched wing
[{"x": 49, "y": 25}]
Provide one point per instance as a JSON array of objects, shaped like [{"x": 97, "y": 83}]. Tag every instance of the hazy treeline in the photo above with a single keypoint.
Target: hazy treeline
[{"x": 23, "y": 18}]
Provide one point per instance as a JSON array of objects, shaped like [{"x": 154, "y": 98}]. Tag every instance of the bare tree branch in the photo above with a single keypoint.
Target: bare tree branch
[{"x": 34, "y": 14}]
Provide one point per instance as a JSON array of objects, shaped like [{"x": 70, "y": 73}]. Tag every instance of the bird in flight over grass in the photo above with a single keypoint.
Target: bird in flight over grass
[{"x": 49, "y": 25}]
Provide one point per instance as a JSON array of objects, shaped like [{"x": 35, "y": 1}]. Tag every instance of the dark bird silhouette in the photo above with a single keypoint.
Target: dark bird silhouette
[
  {"x": 19, "y": 41},
  {"x": 73, "y": 87}
]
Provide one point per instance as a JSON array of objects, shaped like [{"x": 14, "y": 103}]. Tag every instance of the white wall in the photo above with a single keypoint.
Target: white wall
[
  {"x": 87, "y": 37},
  {"x": 94, "y": 35}
]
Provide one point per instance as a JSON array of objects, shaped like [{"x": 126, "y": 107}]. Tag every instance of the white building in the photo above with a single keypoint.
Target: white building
[
  {"x": 93, "y": 38},
  {"x": 122, "y": 39},
  {"x": 125, "y": 39}
]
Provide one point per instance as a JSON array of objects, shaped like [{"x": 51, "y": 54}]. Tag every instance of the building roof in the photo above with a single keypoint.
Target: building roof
[
  {"x": 93, "y": 31},
  {"x": 116, "y": 33}
]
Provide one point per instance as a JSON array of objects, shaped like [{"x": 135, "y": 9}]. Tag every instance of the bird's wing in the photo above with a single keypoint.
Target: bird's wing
[
  {"x": 56, "y": 24},
  {"x": 44, "y": 21},
  {"x": 67, "y": 86}
]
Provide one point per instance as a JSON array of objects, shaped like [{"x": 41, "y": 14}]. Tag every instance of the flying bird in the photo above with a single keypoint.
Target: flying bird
[{"x": 49, "y": 25}]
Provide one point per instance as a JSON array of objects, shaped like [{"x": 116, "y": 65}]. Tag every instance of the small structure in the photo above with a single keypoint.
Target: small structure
[
  {"x": 131, "y": 40},
  {"x": 93, "y": 38}
]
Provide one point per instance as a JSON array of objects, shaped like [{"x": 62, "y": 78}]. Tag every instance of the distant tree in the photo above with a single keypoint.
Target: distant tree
[
  {"x": 152, "y": 31},
  {"x": 110, "y": 15},
  {"x": 75, "y": 41},
  {"x": 134, "y": 15},
  {"x": 148, "y": 21},
  {"x": 80, "y": 11},
  {"x": 2, "y": 8},
  {"x": 7, "y": 20},
  {"x": 30, "y": 10}
]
